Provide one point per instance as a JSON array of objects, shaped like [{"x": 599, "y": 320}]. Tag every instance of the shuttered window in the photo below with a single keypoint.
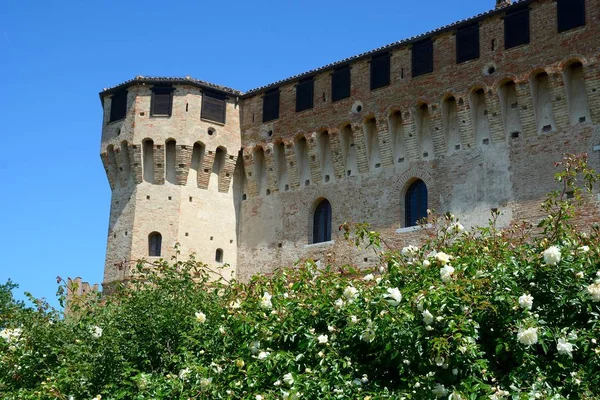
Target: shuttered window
[
  {"x": 467, "y": 44},
  {"x": 380, "y": 71},
  {"x": 305, "y": 94},
  {"x": 214, "y": 106},
  {"x": 118, "y": 106},
  {"x": 416, "y": 203},
  {"x": 271, "y": 105},
  {"x": 340, "y": 83},
  {"x": 570, "y": 14},
  {"x": 516, "y": 28},
  {"x": 422, "y": 58},
  {"x": 322, "y": 222},
  {"x": 162, "y": 101}
]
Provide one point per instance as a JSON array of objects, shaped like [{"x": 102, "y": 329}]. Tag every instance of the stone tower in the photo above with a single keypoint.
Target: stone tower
[{"x": 169, "y": 148}]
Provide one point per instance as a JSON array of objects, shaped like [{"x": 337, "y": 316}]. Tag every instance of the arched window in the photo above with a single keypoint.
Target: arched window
[
  {"x": 322, "y": 222},
  {"x": 416, "y": 202},
  {"x": 154, "y": 244},
  {"x": 219, "y": 256}
]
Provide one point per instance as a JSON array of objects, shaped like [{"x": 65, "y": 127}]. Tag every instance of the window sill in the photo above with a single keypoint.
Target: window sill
[
  {"x": 160, "y": 116},
  {"x": 381, "y": 87},
  {"x": 412, "y": 228},
  {"x": 317, "y": 245},
  {"x": 519, "y": 46},
  {"x": 212, "y": 122}
]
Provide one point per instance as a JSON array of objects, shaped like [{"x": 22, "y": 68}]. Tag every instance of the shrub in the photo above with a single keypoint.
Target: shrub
[{"x": 486, "y": 313}]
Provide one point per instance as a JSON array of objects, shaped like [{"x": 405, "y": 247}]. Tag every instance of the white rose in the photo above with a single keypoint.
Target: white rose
[
  {"x": 410, "y": 251},
  {"x": 184, "y": 373},
  {"x": 368, "y": 277},
  {"x": 427, "y": 317},
  {"x": 258, "y": 397},
  {"x": 528, "y": 336},
  {"x": 526, "y": 301},
  {"x": 353, "y": 320},
  {"x": 263, "y": 354},
  {"x": 446, "y": 273},
  {"x": 594, "y": 290},
  {"x": 96, "y": 332},
  {"x": 288, "y": 379},
  {"x": 339, "y": 303},
  {"x": 443, "y": 257},
  {"x": 322, "y": 339},
  {"x": 564, "y": 347},
  {"x": 456, "y": 227},
  {"x": 254, "y": 347},
  {"x": 426, "y": 263},
  {"x": 205, "y": 382},
  {"x": 200, "y": 317},
  {"x": 393, "y": 296},
  {"x": 265, "y": 301},
  {"x": 350, "y": 293},
  {"x": 584, "y": 249},
  {"x": 552, "y": 255}
]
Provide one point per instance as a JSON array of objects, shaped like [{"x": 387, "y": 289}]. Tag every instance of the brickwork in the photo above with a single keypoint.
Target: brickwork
[{"x": 481, "y": 135}]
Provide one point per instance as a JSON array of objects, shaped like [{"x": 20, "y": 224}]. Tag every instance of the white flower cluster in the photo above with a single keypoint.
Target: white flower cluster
[
  {"x": 11, "y": 336},
  {"x": 200, "y": 317},
  {"x": 393, "y": 296},
  {"x": 594, "y": 288},
  {"x": 528, "y": 336},
  {"x": 526, "y": 301},
  {"x": 96, "y": 332},
  {"x": 564, "y": 347},
  {"x": 446, "y": 273},
  {"x": 350, "y": 293},
  {"x": 409, "y": 252},
  {"x": 552, "y": 255},
  {"x": 265, "y": 301}
]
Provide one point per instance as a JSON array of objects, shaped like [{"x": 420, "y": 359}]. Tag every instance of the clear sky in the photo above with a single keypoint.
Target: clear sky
[{"x": 55, "y": 56}]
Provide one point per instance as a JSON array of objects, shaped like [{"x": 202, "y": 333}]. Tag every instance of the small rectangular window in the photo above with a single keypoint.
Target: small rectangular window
[
  {"x": 271, "y": 105},
  {"x": 570, "y": 14},
  {"x": 162, "y": 101},
  {"x": 422, "y": 58},
  {"x": 340, "y": 83},
  {"x": 118, "y": 106},
  {"x": 380, "y": 71},
  {"x": 516, "y": 28},
  {"x": 467, "y": 44},
  {"x": 214, "y": 106},
  {"x": 305, "y": 94}
]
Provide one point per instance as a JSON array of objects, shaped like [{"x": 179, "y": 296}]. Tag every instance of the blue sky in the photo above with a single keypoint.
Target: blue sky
[{"x": 55, "y": 56}]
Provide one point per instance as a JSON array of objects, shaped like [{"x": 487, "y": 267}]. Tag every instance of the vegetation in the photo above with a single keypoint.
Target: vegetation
[{"x": 487, "y": 313}]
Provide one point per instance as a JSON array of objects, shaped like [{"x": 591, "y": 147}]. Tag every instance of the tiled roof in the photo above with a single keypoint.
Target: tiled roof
[
  {"x": 207, "y": 85},
  {"x": 392, "y": 46},
  {"x": 153, "y": 80}
]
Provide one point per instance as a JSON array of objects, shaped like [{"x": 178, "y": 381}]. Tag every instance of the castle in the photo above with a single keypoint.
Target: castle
[{"x": 464, "y": 119}]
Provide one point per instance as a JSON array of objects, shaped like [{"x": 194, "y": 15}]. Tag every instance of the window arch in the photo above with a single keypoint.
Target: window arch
[
  {"x": 154, "y": 244},
  {"x": 415, "y": 203},
  {"x": 219, "y": 255},
  {"x": 322, "y": 222}
]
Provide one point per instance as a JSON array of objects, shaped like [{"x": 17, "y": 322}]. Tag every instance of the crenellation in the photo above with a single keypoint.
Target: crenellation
[
  {"x": 526, "y": 109},
  {"x": 467, "y": 131},
  {"x": 437, "y": 131},
  {"x": 560, "y": 108},
  {"x": 314, "y": 162},
  {"x": 159, "y": 164},
  {"x": 183, "y": 162}
]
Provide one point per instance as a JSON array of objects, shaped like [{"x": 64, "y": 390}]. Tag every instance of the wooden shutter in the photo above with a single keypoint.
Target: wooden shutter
[
  {"x": 162, "y": 101},
  {"x": 380, "y": 71},
  {"x": 467, "y": 44},
  {"x": 340, "y": 83},
  {"x": 570, "y": 14},
  {"x": 214, "y": 106},
  {"x": 118, "y": 106},
  {"x": 305, "y": 94},
  {"x": 422, "y": 58},
  {"x": 516, "y": 28},
  {"x": 271, "y": 105},
  {"x": 416, "y": 203}
]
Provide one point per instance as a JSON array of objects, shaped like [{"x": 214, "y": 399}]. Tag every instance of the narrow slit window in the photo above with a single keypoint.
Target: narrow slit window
[
  {"x": 570, "y": 14},
  {"x": 219, "y": 255},
  {"x": 162, "y": 101},
  {"x": 516, "y": 28},
  {"x": 214, "y": 106},
  {"x": 380, "y": 71},
  {"x": 467, "y": 44},
  {"x": 322, "y": 222},
  {"x": 340, "y": 83},
  {"x": 305, "y": 94},
  {"x": 271, "y": 105},
  {"x": 118, "y": 106},
  {"x": 154, "y": 244},
  {"x": 416, "y": 203},
  {"x": 422, "y": 58}
]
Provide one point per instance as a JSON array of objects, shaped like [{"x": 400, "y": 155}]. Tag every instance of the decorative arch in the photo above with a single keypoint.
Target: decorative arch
[{"x": 321, "y": 221}]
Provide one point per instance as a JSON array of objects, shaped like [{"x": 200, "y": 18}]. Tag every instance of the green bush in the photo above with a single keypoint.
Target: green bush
[{"x": 488, "y": 313}]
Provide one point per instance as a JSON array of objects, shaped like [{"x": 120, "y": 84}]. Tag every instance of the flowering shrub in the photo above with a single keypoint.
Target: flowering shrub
[{"x": 488, "y": 313}]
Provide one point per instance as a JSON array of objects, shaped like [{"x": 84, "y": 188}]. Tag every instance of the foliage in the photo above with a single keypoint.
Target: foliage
[{"x": 487, "y": 313}]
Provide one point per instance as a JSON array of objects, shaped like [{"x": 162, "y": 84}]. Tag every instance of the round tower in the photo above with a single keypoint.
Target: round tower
[{"x": 170, "y": 148}]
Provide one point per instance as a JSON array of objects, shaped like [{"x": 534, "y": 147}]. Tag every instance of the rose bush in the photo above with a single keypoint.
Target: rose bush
[{"x": 487, "y": 313}]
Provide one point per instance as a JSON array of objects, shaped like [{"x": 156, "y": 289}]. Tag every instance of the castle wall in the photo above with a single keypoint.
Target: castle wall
[{"x": 492, "y": 145}]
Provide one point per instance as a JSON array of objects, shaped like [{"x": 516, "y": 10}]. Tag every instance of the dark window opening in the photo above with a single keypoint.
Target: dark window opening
[
  {"x": 154, "y": 244},
  {"x": 271, "y": 105},
  {"x": 516, "y": 28},
  {"x": 118, "y": 106},
  {"x": 380, "y": 71},
  {"x": 162, "y": 101},
  {"x": 214, "y": 106},
  {"x": 340, "y": 83},
  {"x": 219, "y": 255},
  {"x": 570, "y": 14},
  {"x": 467, "y": 44},
  {"x": 422, "y": 58},
  {"x": 416, "y": 203},
  {"x": 322, "y": 222},
  {"x": 305, "y": 94}
]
